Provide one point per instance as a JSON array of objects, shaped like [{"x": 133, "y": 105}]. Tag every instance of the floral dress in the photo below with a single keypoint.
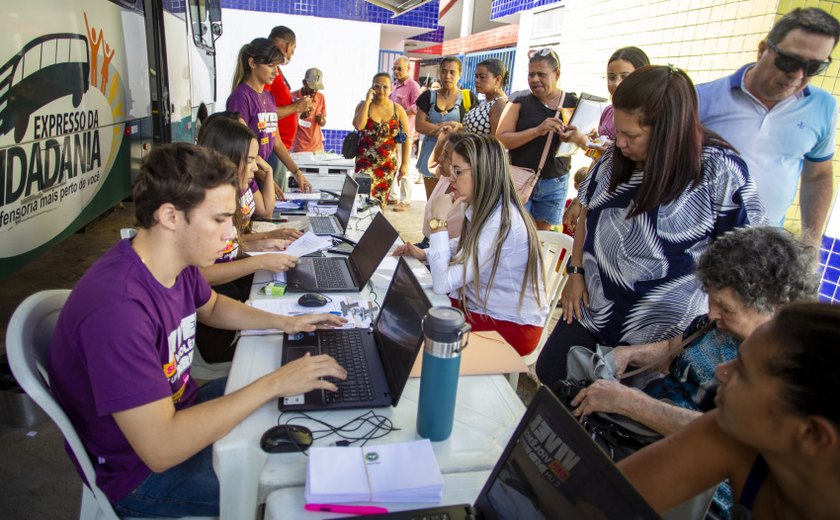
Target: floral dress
[{"x": 377, "y": 155}]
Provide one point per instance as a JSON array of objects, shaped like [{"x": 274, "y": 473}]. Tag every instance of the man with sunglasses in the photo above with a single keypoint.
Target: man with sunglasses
[{"x": 783, "y": 127}]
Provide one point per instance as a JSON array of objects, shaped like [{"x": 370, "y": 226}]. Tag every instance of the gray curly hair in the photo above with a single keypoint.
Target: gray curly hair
[{"x": 766, "y": 266}]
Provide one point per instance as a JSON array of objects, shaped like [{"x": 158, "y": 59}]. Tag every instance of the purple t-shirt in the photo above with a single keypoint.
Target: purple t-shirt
[
  {"x": 123, "y": 340},
  {"x": 259, "y": 112},
  {"x": 606, "y": 127}
]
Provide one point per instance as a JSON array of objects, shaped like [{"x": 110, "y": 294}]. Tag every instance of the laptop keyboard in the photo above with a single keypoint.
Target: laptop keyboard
[
  {"x": 346, "y": 347},
  {"x": 322, "y": 225},
  {"x": 329, "y": 274}
]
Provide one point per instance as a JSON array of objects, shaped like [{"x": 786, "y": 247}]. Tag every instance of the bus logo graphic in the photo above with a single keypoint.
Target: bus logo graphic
[{"x": 48, "y": 68}]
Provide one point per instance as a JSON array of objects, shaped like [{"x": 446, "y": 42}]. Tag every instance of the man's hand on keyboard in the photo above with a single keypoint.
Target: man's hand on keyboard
[
  {"x": 305, "y": 374},
  {"x": 310, "y": 322}
]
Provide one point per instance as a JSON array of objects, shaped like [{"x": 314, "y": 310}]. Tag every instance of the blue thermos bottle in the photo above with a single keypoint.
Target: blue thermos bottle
[{"x": 445, "y": 335}]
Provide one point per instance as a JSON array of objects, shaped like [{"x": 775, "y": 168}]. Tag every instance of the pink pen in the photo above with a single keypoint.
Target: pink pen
[{"x": 353, "y": 510}]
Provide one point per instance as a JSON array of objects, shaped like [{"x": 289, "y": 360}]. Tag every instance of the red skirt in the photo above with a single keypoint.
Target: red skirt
[{"x": 523, "y": 338}]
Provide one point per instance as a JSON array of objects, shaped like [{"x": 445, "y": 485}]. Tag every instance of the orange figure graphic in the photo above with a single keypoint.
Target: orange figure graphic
[
  {"x": 108, "y": 53},
  {"x": 94, "y": 49}
]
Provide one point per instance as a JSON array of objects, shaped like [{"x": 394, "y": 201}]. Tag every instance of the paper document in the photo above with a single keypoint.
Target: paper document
[
  {"x": 296, "y": 195},
  {"x": 308, "y": 243},
  {"x": 359, "y": 313},
  {"x": 399, "y": 472},
  {"x": 586, "y": 117}
]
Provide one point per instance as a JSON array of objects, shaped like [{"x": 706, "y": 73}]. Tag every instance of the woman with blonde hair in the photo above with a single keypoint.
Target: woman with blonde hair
[{"x": 493, "y": 270}]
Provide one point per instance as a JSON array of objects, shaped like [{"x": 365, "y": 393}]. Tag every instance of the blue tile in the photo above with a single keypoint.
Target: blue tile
[
  {"x": 833, "y": 260},
  {"x": 828, "y": 242},
  {"x": 831, "y": 275},
  {"x": 425, "y": 16},
  {"x": 431, "y": 36},
  {"x": 501, "y": 8}
]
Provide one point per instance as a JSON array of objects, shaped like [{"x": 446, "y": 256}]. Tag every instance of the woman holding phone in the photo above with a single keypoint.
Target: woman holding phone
[{"x": 528, "y": 119}]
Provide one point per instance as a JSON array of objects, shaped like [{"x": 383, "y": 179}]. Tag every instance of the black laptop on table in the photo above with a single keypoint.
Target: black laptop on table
[
  {"x": 550, "y": 469},
  {"x": 378, "y": 360},
  {"x": 337, "y": 224},
  {"x": 346, "y": 273}
]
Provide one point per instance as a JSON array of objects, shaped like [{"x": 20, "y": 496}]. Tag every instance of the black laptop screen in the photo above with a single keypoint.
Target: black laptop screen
[
  {"x": 345, "y": 203},
  {"x": 372, "y": 248},
  {"x": 398, "y": 328},
  {"x": 552, "y": 469}
]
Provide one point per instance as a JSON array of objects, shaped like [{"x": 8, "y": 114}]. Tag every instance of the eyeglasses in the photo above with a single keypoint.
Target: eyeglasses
[
  {"x": 790, "y": 63},
  {"x": 457, "y": 170},
  {"x": 617, "y": 78}
]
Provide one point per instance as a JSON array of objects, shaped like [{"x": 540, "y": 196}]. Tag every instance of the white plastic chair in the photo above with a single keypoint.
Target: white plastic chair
[
  {"x": 27, "y": 347},
  {"x": 552, "y": 244}
]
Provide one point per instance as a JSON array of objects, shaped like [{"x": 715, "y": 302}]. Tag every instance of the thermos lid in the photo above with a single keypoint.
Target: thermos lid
[{"x": 444, "y": 324}]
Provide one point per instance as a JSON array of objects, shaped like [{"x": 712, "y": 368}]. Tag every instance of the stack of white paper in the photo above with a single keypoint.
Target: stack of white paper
[{"x": 400, "y": 472}]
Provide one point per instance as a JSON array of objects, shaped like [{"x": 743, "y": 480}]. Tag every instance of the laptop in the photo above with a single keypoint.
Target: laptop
[
  {"x": 337, "y": 224},
  {"x": 345, "y": 273},
  {"x": 378, "y": 359},
  {"x": 550, "y": 468}
]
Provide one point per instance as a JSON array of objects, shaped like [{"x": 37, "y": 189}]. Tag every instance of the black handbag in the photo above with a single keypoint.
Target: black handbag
[
  {"x": 350, "y": 145},
  {"x": 617, "y": 435}
]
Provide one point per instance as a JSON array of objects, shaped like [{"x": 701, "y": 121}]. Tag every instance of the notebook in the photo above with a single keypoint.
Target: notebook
[
  {"x": 378, "y": 360},
  {"x": 345, "y": 273},
  {"x": 337, "y": 224},
  {"x": 585, "y": 118},
  {"x": 550, "y": 468}
]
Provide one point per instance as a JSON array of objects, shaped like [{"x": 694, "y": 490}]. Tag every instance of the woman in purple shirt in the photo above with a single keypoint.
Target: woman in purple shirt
[{"x": 256, "y": 68}]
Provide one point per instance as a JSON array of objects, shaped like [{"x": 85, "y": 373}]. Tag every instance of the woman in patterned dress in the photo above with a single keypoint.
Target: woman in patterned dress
[
  {"x": 382, "y": 126},
  {"x": 651, "y": 207},
  {"x": 491, "y": 76}
]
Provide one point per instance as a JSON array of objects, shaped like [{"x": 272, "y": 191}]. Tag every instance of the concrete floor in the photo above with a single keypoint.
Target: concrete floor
[{"x": 37, "y": 480}]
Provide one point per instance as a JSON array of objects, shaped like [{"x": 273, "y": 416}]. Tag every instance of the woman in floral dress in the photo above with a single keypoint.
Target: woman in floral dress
[{"x": 382, "y": 126}]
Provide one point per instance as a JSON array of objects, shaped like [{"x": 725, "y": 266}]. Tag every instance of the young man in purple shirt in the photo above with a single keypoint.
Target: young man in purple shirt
[{"x": 123, "y": 346}]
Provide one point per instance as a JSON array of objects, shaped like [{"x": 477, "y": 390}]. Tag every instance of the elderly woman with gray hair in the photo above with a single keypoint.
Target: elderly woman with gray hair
[{"x": 747, "y": 273}]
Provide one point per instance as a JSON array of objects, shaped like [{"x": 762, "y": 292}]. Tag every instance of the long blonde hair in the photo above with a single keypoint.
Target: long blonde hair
[{"x": 493, "y": 186}]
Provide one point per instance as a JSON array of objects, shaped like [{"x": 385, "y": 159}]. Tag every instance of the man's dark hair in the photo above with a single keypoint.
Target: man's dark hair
[
  {"x": 179, "y": 174},
  {"x": 281, "y": 32},
  {"x": 811, "y": 20}
]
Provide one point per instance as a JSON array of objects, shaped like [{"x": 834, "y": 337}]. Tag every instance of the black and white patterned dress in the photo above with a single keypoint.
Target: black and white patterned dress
[
  {"x": 477, "y": 120},
  {"x": 640, "y": 271}
]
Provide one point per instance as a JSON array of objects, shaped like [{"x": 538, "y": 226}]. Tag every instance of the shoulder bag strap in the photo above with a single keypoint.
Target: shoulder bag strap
[
  {"x": 550, "y": 136},
  {"x": 686, "y": 342}
]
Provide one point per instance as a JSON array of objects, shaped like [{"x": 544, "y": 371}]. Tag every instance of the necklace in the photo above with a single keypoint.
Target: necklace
[{"x": 552, "y": 100}]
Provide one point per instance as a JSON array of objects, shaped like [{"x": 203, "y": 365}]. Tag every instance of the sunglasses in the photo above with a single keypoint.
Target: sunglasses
[{"x": 789, "y": 63}]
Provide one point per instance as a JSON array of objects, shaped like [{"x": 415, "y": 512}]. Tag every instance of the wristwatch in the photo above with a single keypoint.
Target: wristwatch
[
  {"x": 574, "y": 269},
  {"x": 436, "y": 224}
]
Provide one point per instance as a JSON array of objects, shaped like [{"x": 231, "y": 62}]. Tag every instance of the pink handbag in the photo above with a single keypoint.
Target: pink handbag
[{"x": 524, "y": 179}]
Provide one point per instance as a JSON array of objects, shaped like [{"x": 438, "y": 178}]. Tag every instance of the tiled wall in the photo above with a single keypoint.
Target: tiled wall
[
  {"x": 333, "y": 139},
  {"x": 707, "y": 38},
  {"x": 431, "y": 36},
  {"x": 356, "y": 10},
  {"x": 830, "y": 269},
  {"x": 501, "y": 8}
]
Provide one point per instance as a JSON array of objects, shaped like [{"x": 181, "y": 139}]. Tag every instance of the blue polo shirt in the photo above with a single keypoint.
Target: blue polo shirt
[{"x": 773, "y": 142}]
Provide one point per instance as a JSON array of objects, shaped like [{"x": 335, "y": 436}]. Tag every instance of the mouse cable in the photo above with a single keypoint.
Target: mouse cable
[{"x": 379, "y": 425}]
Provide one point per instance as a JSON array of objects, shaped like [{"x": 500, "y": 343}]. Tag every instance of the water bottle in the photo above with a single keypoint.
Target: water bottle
[{"x": 445, "y": 335}]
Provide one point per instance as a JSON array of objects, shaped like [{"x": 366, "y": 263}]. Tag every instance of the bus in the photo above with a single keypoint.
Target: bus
[{"x": 86, "y": 88}]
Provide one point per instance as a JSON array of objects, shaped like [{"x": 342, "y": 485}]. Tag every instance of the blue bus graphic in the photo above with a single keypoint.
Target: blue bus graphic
[{"x": 46, "y": 69}]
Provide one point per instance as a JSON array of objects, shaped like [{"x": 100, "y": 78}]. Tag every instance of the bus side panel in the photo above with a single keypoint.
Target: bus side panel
[
  {"x": 74, "y": 110},
  {"x": 178, "y": 61}
]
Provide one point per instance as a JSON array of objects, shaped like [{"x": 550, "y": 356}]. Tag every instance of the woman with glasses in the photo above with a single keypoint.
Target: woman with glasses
[
  {"x": 491, "y": 76},
  {"x": 775, "y": 435},
  {"x": 620, "y": 65},
  {"x": 652, "y": 205},
  {"x": 256, "y": 67},
  {"x": 439, "y": 108},
  {"x": 527, "y": 121},
  {"x": 493, "y": 270},
  {"x": 382, "y": 126}
]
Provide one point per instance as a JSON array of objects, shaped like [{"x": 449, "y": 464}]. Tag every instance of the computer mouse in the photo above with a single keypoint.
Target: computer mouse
[
  {"x": 312, "y": 300},
  {"x": 285, "y": 438}
]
